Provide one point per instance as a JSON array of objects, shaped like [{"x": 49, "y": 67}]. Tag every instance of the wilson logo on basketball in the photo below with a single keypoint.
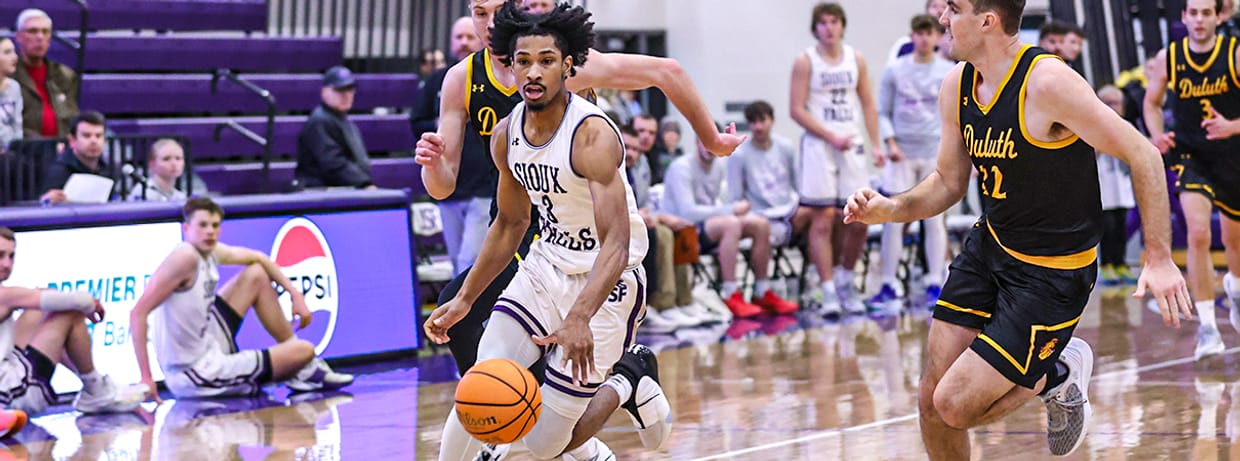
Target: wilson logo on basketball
[{"x": 303, "y": 253}]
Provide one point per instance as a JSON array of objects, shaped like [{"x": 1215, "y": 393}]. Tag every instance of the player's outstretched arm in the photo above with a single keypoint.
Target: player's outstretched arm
[
  {"x": 1057, "y": 90},
  {"x": 939, "y": 191},
  {"x": 439, "y": 153},
  {"x": 599, "y": 160},
  {"x": 623, "y": 71},
  {"x": 176, "y": 270},
  {"x": 502, "y": 241},
  {"x": 1155, "y": 96}
]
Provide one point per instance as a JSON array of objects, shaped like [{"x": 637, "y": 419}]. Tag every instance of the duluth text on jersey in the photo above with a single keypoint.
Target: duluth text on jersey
[
  {"x": 1188, "y": 89},
  {"x": 1001, "y": 146}
]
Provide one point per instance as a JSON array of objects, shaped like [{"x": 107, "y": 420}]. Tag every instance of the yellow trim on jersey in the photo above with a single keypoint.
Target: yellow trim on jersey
[
  {"x": 966, "y": 310},
  {"x": 1171, "y": 59},
  {"x": 1033, "y": 335},
  {"x": 1024, "y": 130},
  {"x": 518, "y": 254},
  {"x": 1195, "y": 186},
  {"x": 469, "y": 83},
  {"x": 1226, "y": 208},
  {"x": 1064, "y": 263},
  {"x": 1231, "y": 61},
  {"x": 508, "y": 91},
  {"x": 1188, "y": 56},
  {"x": 985, "y": 108}
]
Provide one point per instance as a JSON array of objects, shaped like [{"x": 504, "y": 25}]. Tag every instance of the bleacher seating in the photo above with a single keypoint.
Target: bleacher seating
[
  {"x": 184, "y": 15},
  {"x": 140, "y": 53},
  {"x": 149, "y": 67},
  {"x": 170, "y": 94},
  {"x": 382, "y": 133}
]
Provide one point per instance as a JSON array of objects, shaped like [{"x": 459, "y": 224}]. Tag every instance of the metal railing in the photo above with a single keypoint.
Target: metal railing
[
  {"x": 263, "y": 141},
  {"x": 79, "y": 47},
  {"x": 24, "y": 166}
]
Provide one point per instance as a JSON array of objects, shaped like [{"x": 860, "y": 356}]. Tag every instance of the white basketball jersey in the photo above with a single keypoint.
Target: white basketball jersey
[
  {"x": 833, "y": 92},
  {"x": 567, "y": 235},
  {"x": 181, "y": 321},
  {"x": 6, "y": 333}
]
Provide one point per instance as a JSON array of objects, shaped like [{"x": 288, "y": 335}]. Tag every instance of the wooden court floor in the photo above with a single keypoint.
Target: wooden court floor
[{"x": 778, "y": 389}]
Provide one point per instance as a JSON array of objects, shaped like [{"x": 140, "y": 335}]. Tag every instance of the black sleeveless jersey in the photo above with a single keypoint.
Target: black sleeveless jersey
[
  {"x": 1203, "y": 83},
  {"x": 1042, "y": 199},
  {"x": 486, "y": 100}
]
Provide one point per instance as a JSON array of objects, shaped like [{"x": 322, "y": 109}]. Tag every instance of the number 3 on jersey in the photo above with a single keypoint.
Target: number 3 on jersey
[
  {"x": 546, "y": 202},
  {"x": 1207, "y": 109},
  {"x": 995, "y": 191}
]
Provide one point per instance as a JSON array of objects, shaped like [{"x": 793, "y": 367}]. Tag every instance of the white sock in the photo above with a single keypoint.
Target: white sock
[
  {"x": 1205, "y": 311},
  {"x": 760, "y": 287},
  {"x": 843, "y": 275},
  {"x": 828, "y": 288},
  {"x": 92, "y": 381},
  {"x": 728, "y": 289},
  {"x": 587, "y": 450},
  {"x": 622, "y": 386},
  {"x": 1229, "y": 287}
]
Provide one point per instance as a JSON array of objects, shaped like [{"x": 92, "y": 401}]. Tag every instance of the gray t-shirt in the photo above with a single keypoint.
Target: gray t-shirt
[
  {"x": 764, "y": 177},
  {"x": 10, "y": 113},
  {"x": 908, "y": 104},
  {"x": 154, "y": 194},
  {"x": 692, "y": 192},
  {"x": 639, "y": 178}
]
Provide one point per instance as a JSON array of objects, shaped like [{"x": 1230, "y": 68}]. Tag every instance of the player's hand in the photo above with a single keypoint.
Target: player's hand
[
  {"x": 894, "y": 153},
  {"x": 429, "y": 149},
  {"x": 674, "y": 222},
  {"x": 741, "y": 208},
  {"x": 1164, "y": 281},
  {"x": 723, "y": 144},
  {"x": 1164, "y": 143},
  {"x": 1217, "y": 126},
  {"x": 577, "y": 340},
  {"x": 880, "y": 158},
  {"x": 443, "y": 318},
  {"x": 301, "y": 312},
  {"x": 152, "y": 391},
  {"x": 840, "y": 143},
  {"x": 96, "y": 313},
  {"x": 868, "y": 206}
]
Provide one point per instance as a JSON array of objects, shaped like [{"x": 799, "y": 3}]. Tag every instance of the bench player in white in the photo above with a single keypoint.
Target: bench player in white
[
  {"x": 830, "y": 94},
  {"x": 581, "y": 288},
  {"x": 51, "y": 328},
  {"x": 195, "y": 329}
]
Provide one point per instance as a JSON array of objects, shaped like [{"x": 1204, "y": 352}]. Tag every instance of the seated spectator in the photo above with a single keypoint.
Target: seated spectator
[
  {"x": 762, "y": 173},
  {"x": 429, "y": 61},
  {"x": 330, "y": 152},
  {"x": 694, "y": 188},
  {"x": 1051, "y": 36},
  {"x": 10, "y": 95},
  {"x": 165, "y": 163},
  {"x": 84, "y": 156},
  {"x": 49, "y": 89}
]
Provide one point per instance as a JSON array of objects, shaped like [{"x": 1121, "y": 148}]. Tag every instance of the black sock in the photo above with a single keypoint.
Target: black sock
[{"x": 1056, "y": 376}]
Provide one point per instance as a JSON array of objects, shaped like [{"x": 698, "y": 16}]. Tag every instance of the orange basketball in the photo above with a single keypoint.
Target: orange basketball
[{"x": 498, "y": 401}]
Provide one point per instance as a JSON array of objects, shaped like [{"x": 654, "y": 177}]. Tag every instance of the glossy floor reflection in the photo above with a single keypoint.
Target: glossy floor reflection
[{"x": 790, "y": 388}]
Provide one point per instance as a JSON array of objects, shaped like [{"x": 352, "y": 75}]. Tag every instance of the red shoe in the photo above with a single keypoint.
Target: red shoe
[
  {"x": 741, "y": 309},
  {"x": 772, "y": 302},
  {"x": 11, "y": 421}
]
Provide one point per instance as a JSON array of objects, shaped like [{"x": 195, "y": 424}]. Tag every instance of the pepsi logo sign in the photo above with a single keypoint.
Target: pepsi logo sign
[{"x": 303, "y": 253}]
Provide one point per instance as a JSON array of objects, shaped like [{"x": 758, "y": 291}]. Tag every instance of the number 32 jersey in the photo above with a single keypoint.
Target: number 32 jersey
[
  {"x": 1042, "y": 199},
  {"x": 1203, "y": 83},
  {"x": 569, "y": 236}
]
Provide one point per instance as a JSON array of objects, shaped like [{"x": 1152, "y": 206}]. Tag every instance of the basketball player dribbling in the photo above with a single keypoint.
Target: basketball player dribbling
[
  {"x": 1003, "y": 327},
  {"x": 579, "y": 293},
  {"x": 480, "y": 90},
  {"x": 1204, "y": 143}
]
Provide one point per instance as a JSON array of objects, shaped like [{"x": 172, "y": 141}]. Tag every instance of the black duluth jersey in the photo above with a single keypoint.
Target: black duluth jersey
[
  {"x": 486, "y": 100},
  {"x": 1042, "y": 199},
  {"x": 1203, "y": 83}
]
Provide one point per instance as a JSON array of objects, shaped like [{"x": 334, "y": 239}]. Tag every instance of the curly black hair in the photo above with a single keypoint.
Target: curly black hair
[{"x": 569, "y": 26}]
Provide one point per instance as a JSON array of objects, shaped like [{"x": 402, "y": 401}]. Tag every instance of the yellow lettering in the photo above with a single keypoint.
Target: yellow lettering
[
  {"x": 1207, "y": 88},
  {"x": 1001, "y": 146},
  {"x": 487, "y": 119}
]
